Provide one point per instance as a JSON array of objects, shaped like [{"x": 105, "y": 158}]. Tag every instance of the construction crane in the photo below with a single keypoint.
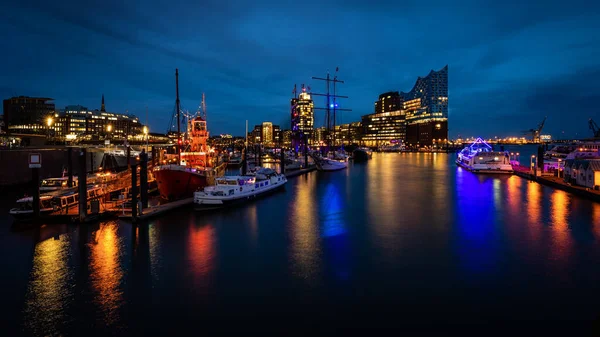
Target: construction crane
[
  {"x": 535, "y": 133},
  {"x": 595, "y": 129}
]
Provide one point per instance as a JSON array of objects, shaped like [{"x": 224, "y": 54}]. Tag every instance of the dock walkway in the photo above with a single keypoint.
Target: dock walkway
[
  {"x": 558, "y": 182},
  {"x": 125, "y": 214}
]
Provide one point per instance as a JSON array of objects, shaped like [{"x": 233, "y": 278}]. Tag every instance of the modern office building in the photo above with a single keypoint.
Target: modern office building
[
  {"x": 286, "y": 135},
  {"x": 426, "y": 108},
  {"x": 25, "y": 114},
  {"x": 302, "y": 116},
  {"x": 347, "y": 134},
  {"x": 387, "y": 124},
  {"x": 78, "y": 122},
  {"x": 266, "y": 134}
]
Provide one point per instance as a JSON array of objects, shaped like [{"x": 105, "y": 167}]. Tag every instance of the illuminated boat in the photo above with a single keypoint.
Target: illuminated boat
[
  {"x": 196, "y": 168},
  {"x": 237, "y": 189},
  {"x": 480, "y": 157}
]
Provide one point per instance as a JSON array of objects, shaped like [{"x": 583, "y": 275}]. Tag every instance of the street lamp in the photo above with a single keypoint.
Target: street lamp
[
  {"x": 146, "y": 134},
  {"x": 533, "y": 164},
  {"x": 49, "y": 122}
]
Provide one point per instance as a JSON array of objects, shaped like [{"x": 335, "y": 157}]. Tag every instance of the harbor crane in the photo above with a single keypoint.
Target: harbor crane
[
  {"x": 535, "y": 133},
  {"x": 595, "y": 129}
]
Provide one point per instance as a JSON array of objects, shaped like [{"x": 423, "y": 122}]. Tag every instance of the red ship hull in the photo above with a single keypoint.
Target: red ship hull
[{"x": 176, "y": 184}]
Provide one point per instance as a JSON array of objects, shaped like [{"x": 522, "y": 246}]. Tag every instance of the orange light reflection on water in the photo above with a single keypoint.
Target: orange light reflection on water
[
  {"x": 201, "y": 253},
  {"x": 560, "y": 209},
  {"x": 106, "y": 272},
  {"x": 49, "y": 290},
  {"x": 306, "y": 245}
]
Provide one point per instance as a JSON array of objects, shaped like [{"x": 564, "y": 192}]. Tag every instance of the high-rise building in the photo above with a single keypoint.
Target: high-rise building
[
  {"x": 27, "y": 114},
  {"x": 286, "y": 135},
  {"x": 267, "y": 133},
  {"x": 387, "y": 124},
  {"x": 302, "y": 116},
  {"x": 426, "y": 107}
]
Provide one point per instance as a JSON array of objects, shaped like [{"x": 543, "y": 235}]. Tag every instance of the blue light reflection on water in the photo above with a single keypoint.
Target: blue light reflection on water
[{"x": 476, "y": 238}]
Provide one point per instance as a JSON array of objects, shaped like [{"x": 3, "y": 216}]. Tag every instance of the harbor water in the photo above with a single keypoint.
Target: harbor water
[{"x": 406, "y": 241}]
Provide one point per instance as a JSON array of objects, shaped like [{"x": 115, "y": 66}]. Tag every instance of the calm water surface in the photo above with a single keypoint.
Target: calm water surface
[{"x": 405, "y": 241}]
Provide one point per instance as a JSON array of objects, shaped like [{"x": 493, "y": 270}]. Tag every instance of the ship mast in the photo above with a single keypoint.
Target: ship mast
[
  {"x": 330, "y": 106},
  {"x": 178, "y": 117}
]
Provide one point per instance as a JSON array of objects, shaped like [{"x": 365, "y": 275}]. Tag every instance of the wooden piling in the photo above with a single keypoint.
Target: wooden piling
[
  {"x": 70, "y": 166},
  {"x": 144, "y": 178},
  {"x": 134, "y": 198},
  {"x": 35, "y": 192},
  {"x": 82, "y": 183},
  {"x": 282, "y": 160},
  {"x": 244, "y": 161},
  {"x": 305, "y": 151}
]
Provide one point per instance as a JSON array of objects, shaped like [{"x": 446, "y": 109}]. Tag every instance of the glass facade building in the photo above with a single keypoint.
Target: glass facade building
[
  {"x": 302, "y": 117},
  {"x": 387, "y": 124},
  {"x": 426, "y": 108}
]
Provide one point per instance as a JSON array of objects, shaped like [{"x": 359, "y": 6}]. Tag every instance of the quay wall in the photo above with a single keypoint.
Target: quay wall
[
  {"x": 558, "y": 183},
  {"x": 14, "y": 164}
]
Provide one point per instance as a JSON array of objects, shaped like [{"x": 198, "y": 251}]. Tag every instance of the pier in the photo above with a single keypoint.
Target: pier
[
  {"x": 551, "y": 180},
  {"x": 158, "y": 209}
]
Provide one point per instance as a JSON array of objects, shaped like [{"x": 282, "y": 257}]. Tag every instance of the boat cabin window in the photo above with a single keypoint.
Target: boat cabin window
[
  {"x": 47, "y": 203},
  {"x": 200, "y": 126},
  {"x": 53, "y": 183}
]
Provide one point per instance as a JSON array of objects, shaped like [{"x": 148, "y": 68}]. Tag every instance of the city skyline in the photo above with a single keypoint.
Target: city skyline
[{"x": 506, "y": 73}]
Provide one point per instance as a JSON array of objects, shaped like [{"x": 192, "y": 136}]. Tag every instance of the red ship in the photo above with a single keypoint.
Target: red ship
[{"x": 196, "y": 167}]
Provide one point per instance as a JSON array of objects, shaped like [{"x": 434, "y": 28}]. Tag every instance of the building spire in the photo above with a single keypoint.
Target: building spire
[{"x": 102, "y": 108}]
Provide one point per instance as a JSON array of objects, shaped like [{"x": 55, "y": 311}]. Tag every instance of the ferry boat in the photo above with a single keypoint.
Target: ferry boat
[
  {"x": 236, "y": 189},
  {"x": 479, "y": 157},
  {"x": 197, "y": 167}
]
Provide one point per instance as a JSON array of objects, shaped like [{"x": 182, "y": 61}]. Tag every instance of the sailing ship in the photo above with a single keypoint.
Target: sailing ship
[
  {"x": 332, "y": 160},
  {"x": 197, "y": 166}
]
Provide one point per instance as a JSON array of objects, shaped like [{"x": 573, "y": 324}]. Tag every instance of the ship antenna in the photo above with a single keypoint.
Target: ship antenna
[
  {"x": 178, "y": 116},
  {"x": 203, "y": 107}
]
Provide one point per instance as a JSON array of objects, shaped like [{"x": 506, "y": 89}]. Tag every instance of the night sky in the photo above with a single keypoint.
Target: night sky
[{"x": 510, "y": 63}]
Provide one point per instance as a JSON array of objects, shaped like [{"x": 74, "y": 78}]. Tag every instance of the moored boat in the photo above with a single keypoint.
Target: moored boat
[
  {"x": 195, "y": 168},
  {"x": 479, "y": 157},
  {"x": 360, "y": 155},
  {"x": 230, "y": 190}
]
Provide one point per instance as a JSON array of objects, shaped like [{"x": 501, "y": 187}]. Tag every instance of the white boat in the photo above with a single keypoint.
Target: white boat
[
  {"x": 326, "y": 164},
  {"x": 479, "y": 157},
  {"x": 230, "y": 190},
  {"x": 24, "y": 207}
]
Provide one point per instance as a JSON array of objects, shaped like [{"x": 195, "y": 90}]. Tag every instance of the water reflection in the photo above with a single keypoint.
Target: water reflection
[
  {"x": 106, "y": 272},
  {"x": 201, "y": 254},
  {"x": 534, "y": 205},
  {"x": 305, "y": 241},
  {"x": 559, "y": 220},
  {"x": 476, "y": 220},
  {"x": 50, "y": 290}
]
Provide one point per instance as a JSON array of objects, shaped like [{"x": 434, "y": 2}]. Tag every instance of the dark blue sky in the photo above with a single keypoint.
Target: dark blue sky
[{"x": 510, "y": 63}]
